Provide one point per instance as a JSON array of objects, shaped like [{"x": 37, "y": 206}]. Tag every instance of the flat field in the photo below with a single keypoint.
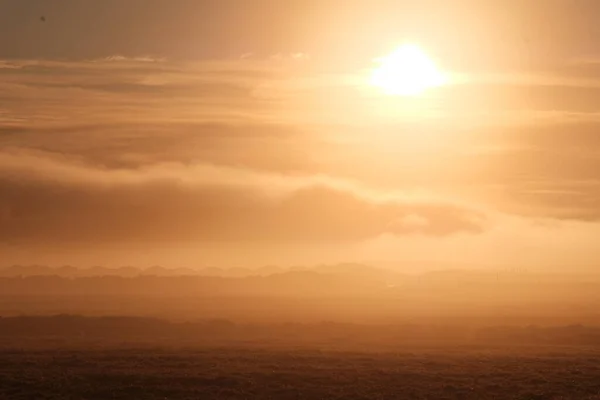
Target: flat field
[{"x": 298, "y": 373}]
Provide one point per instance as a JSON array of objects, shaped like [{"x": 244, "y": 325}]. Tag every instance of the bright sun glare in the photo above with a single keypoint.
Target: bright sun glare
[{"x": 407, "y": 71}]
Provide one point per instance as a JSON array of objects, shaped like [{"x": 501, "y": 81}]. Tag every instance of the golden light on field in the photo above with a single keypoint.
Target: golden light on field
[{"x": 407, "y": 71}]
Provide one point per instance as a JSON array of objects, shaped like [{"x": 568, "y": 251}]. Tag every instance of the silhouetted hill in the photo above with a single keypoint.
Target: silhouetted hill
[
  {"x": 128, "y": 271},
  {"x": 340, "y": 294},
  {"x": 299, "y": 283},
  {"x": 111, "y": 329}
]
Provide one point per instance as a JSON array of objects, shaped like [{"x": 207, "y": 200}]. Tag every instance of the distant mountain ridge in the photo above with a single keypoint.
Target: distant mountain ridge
[{"x": 68, "y": 271}]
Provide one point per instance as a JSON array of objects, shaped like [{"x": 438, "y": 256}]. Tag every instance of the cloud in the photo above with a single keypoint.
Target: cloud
[
  {"x": 117, "y": 57},
  {"x": 566, "y": 199},
  {"x": 8, "y": 65},
  {"x": 152, "y": 89},
  {"x": 48, "y": 200},
  {"x": 297, "y": 56},
  {"x": 120, "y": 115},
  {"x": 527, "y": 95}
]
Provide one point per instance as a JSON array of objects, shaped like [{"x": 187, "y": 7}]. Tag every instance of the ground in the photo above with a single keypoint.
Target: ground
[{"x": 288, "y": 373}]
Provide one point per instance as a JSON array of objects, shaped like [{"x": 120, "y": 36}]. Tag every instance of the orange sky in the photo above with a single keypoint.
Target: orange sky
[{"x": 193, "y": 132}]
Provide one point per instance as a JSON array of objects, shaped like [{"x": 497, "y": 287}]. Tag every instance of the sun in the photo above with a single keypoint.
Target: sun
[{"x": 407, "y": 71}]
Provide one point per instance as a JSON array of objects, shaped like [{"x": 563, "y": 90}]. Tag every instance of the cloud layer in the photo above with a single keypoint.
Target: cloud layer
[
  {"x": 272, "y": 150},
  {"x": 54, "y": 201}
]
